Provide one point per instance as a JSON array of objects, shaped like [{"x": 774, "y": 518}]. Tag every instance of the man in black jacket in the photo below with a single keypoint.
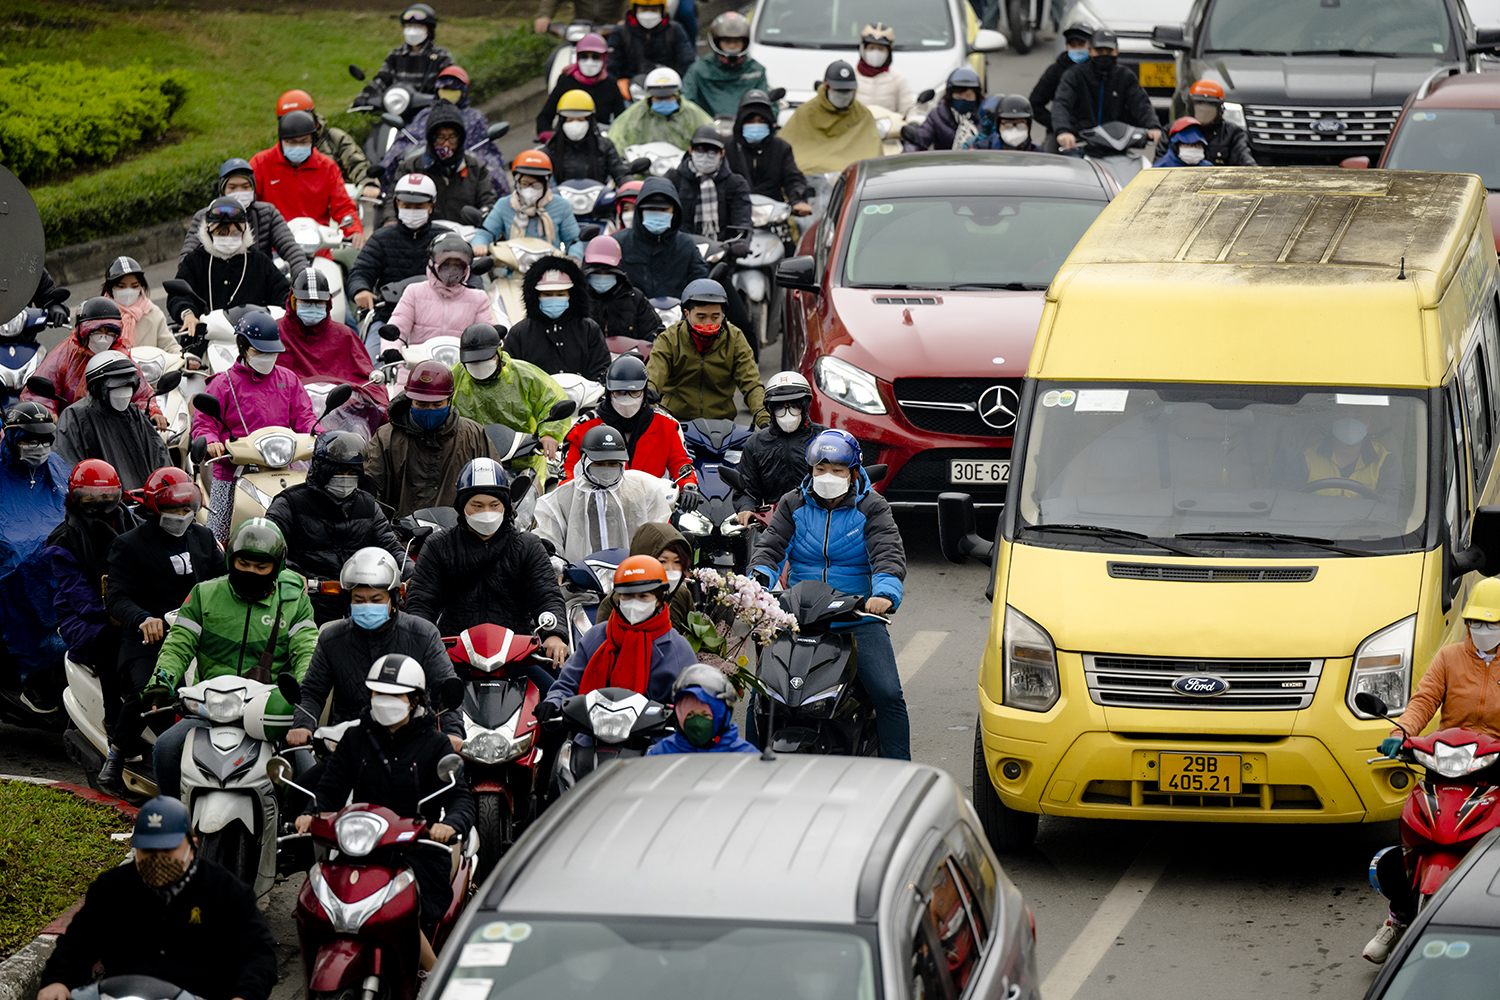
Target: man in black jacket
[
  {"x": 461, "y": 177},
  {"x": 1076, "y": 36},
  {"x": 648, "y": 39},
  {"x": 765, "y": 159},
  {"x": 774, "y": 461},
  {"x": 226, "y": 269},
  {"x": 1100, "y": 91},
  {"x": 414, "y": 65},
  {"x": 168, "y": 914},
  {"x": 660, "y": 259},
  {"x": 614, "y": 303},
  {"x": 556, "y": 334},
  {"x": 715, "y": 200}
]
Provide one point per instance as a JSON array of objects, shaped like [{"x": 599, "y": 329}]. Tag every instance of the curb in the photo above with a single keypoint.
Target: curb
[
  {"x": 518, "y": 105},
  {"x": 81, "y": 262}
]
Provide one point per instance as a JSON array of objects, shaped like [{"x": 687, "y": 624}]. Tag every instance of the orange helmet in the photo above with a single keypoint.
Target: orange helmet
[
  {"x": 640, "y": 574},
  {"x": 533, "y": 163},
  {"x": 1207, "y": 90},
  {"x": 293, "y": 100}
]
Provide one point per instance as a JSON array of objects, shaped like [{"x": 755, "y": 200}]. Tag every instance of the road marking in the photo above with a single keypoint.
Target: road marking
[
  {"x": 917, "y": 651},
  {"x": 1098, "y": 936}
]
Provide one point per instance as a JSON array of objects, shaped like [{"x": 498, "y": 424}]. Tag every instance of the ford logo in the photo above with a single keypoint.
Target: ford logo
[
  {"x": 1327, "y": 126},
  {"x": 1200, "y": 686}
]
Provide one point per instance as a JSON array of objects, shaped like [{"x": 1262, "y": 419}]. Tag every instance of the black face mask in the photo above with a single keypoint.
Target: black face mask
[
  {"x": 99, "y": 511},
  {"x": 251, "y": 586},
  {"x": 1103, "y": 63}
]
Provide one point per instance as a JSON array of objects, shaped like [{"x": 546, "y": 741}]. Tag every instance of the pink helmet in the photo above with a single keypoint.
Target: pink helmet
[
  {"x": 602, "y": 250},
  {"x": 592, "y": 42}
]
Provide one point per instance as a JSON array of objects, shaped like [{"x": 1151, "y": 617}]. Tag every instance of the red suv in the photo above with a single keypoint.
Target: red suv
[{"x": 913, "y": 313}]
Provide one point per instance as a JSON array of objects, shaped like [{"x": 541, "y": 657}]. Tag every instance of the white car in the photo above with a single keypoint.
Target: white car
[{"x": 1132, "y": 21}]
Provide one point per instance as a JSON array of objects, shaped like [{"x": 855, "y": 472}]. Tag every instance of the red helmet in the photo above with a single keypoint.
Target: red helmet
[
  {"x": 457, "y": 72},
  {"x": 532, "y": 162},
  {"x": 1186, "y": 121},
  {"x": 93, "y": 480},
  {"x": 429, "y": 382},
  {"x": 628, "y": 194},
  {"x": 170, "y": 487},
  {"x": 293, "y": 100}
]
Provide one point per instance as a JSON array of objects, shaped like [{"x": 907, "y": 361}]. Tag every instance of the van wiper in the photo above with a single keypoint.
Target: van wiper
[
  {"x": 1102, "y": 531},
  {"x": 1250, "y": 52},
  {"x": 1008, "y": 286},
  {"x": 1350, "y": 53},
  {"x": 883, "y": 285},
  {"x": 1276, "y": 536}
]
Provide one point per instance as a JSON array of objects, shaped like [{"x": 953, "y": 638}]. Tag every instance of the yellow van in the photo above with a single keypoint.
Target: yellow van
[{"x": 1259, "y": 422}]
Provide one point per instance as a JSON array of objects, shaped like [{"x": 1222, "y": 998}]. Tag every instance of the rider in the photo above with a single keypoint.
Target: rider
[
  {"x": 653, "y": 440},
  {"x": 227, "y": 269},
  {"x": 491, "y": 387},
  {"x": 588, "y": 75},
  {"x": 703, "y": 701},
  {"x": 1004, "y": 124},
  {"x": 452, "y": 87},
  {"x": 462, "y": 178},
  {"x": 334, "y": 143},
  {"x": 697, "y": 363},
  {"x": 647, "y": 40},
  {"x": 1076, "y": 50},
  {"x": 774, "y": 460},
  {"x": 833, "y": 129},
  {"x": 664, "y": 115},
  {"x": 166, "y": 913},
  {"x": 255, "y": 622},
  {"x": 318, "y": 347},
  {"x": 715, "y": 200},
  {"x": 300, "y": 181},
  {"x": 272, "y": 234},
  {"x": 578, "y": 149},
  {"x": 1187, "y": 146},
  {"x": 556, "y": 333},
  {"x": 664, "y": 543},
  {"x": 716, "y": 84},
  {"x": 839, "y": 530},
  {"x": 765, "y": 159},
  {"x": 660, "y": 258},
  {"x": 614, "y": 303},
  {"x": 107, "y": 425},
  {"x": 879, "y": 85},
  {"x": 605, "y": 504},
  {"x": 328, "y": 518},
  {"x": 444, "y": 303},
  {"x": 954, "y": 120},
  {"x": 1099, "y": 91},
  {"x": 142, "y": 323},
  {"x": 415, "y": 64},
  {"x": 395, "y": 253},
  {"x": 532, "y": 210},
  {"x": 1227, "y": 144},
  {"x": 625, "y": 197},
  {"x": 65, "y": 366}
]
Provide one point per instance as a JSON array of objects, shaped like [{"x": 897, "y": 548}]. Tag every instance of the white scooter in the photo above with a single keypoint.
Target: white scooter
[
  {"x": 753, "y": 272},
  {"x": 87, "y": 737},
  {"x": 222, "y": 352},
  {"x": 173, "y": 385},
  {"x": 312, "y": 237},
  {"x": 663, "y": 156}
]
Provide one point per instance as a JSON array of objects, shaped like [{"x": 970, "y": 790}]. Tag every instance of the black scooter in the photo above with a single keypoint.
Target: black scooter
[{"x": 618, "y": 722}]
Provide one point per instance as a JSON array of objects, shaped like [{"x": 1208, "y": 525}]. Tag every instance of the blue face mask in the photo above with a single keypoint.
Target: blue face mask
[
  {"x": 666, "y": 107},
  {"x": 964, "y": 107},
  {"x": 370, "y": 615},
  {"x": 756, "y": 132},
  {"x": 553, "y": 308},
  {"x": 1078, "y": 55},
  {"x": 429, "y": 420},
  {"x": 311, "y": 315},
  {"x": 296, "y": 154},
  {"x": 602, "y": 283},
  {"x": 656, "y": 222}
]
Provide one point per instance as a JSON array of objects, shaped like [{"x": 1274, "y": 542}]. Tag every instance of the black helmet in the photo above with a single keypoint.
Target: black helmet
[
  {"x": 295, "y": 124},
  {"x": 840, "y": 76},
  {"x": 335, "y": 453},
  {"x": 225, "y": 212},
  {"x": 450, "y": 243},
  {"x": 479, "y": 342},
  {"x": 419, "y": 13},
  {"x": 311, "y": 286},
  {"x": 98, "y": 307},
  {"x": 1080, "y": 30},
  {"x": 30, "y": 418},
  {"x": 110, "y": 367},
  {"x": 964, "y": 78},
  {"x": 602, "y": 443},
  {"x": 756, "y": 99},
  {"x": 627, "y": 373},
  {"x": 121, "y": 266},
  {"x": 235, "y": 165},
  {"x": 1014, "y": 106}
]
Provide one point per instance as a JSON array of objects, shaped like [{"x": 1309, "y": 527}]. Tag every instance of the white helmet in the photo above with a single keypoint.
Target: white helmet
[
  {"x": 396, "y": 673},
  {"x": 370, "y": 567},
  {"x": 663, "y": 81},
  {"x": 415, "y": 188},
  {"x": 786, "y": 386}
]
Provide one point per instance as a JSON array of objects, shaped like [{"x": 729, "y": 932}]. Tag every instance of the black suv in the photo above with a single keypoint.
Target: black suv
[{"x": 1314, "y": 81}]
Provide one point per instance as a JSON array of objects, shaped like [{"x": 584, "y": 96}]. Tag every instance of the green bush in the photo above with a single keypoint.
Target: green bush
[
  {"x": 57, "y": 116},
  {"x": 101, "y": 205},
  {"x": 507, "y": 60}
]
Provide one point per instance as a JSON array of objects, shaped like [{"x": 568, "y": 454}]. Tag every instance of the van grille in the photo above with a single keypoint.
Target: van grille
[
  {"x": 906, "y": 300},
  {"x": 1211, "y": 574},
  {"x": 1270, "y": 125},
  {"x": 1254, "y": 685}
]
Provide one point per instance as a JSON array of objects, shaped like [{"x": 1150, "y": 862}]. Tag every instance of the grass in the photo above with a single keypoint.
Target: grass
[{"x": 52, "y": 845}]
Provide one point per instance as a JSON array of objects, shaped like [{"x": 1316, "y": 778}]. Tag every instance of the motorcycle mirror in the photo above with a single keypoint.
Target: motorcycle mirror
[
  {"x": 279, "y": 770},
  {"x": 731, "y": 475},
  {"x": 876, "y": 472},
  {"x": 198, "y": 449},
  {"x": 40, "y": 385},
  {"x": 589, "y": 232},
  {"x": 471, "y": 215},
  {"x": 911, "y": 134},
  {"x": 497, "y": 130},
  {"x": 176, "y": 286},
  {"x": 450, "y": 694},
  {"x": 520, "y": 486},
  {"x": 926, "y": 96},
  {"x": 777, "y": 94},
  {"x": 450, "y": 764},
  {"x": 1370, "y": 704},
  {"x": 356, "y": 72},
  {"x": 394, "y": 121},
  {"x": 640, "y": 165},
  {"x": 422, "y": 531},
  {"x": 289, "y": 688},
  {"x": 481, "y": 267},
  {"x": 208, "y": 405},
  {"x": 377, "y": 377},
  {"x": 338, "y": 397},
  {"x": 390, "y": 332},
  {"x": 58, "y": 296},
  {"x": 560, "y": 409},
  {"x": 168, "y": 382}
]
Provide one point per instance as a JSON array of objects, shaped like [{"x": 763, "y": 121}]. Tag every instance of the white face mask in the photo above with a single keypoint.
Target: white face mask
[
  {"x": 412, "y": 218},
  {"x": 841, "y": 98},
  {"x": 530, "y": 195},
  {"x": 576, "y": 130},
  {"x": 1191, "y": 155},
  {"x": 262, "y": 363},
  {"x": 1015, "y": 136},
  {"x": 627, "y": 218},
  {"x": 1350, "y": 430},
  {"x": 648, "y": 18},
  {"x": 636, "y": 609},
  {"x": 387, "y": 709},
  {"x": 486, "y": 523},
  {"x": 789, "y": 420},
  {"x": 830, "y": 486},
  {"x": 604, "y": 476},
  {"x": 705, "y": 164},
  {"x": 125, "y": 296},
  {"x": 414, "y": 35},
  {"x": 590, "y": 67},
  {"x": 626, "y": 406},
  {"x": 874, "y": 56},
  {"x": 1486, "y": 635},
  {"x": 243, "y": 197},
  {"x": 121, "y": 397},
  {"x": 674, "y": 577},
  {"x": 175, "y": 525},
  {"x": 100, "y": 342},
  {"x": 228, "y": 244},
  {"x": 341, "y": 486},
  {"x": 482, "y": 369},
  {"x": 34, "y": 454}
]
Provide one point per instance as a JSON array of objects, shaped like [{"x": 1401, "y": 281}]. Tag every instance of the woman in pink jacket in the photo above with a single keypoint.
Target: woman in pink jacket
[
  {"x": 252, "y": 394},
  {"x": 442, "y": 305}
]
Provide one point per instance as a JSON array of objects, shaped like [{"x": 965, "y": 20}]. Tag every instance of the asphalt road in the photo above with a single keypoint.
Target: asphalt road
[{"x": 1123, "y": 910}]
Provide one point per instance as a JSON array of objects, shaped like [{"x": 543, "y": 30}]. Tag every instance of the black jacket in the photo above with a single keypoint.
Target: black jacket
[
  {"x": 1228, "y": 145},
  {"x": 126, "y": 439},
  {"x": 416, "y": 70},
  {"x": 769, "y": 167},
  {"x": 342, "y": 662},
  {"x": 774, "y": 463},
  {"x": 660, "y": 266},
  {"x": 608, "y": 102},
  {"x": 210, "y": 939},
  {"x": 322, "y": 533},
  {"x": 1046, "y": 89},
  {"x": 595, "y": 157},
  {"x": 462, "y": 180},
  {"x": 144, "y": 577},
  {"x": 623, "y": 311},
  {"x": 271, "y": 233},
  {"x": 570, "y": 343},
  {"x": 392, "y": 253},
  {"x": 1086, "y": 98},
  {"x": 247, "y": 278},
  {"x": 634, "y": 51},
  {"x": 506, "y": 579},
  {"x": 734, "y": 199}
]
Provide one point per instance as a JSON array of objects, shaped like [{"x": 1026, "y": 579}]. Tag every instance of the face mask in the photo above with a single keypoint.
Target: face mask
[
  {"x": 830, "y": 486},
  {"x": 243, "y": 197},
  {"x": 388, "y": 710},
  {"x": 450, "y": 95},
  {"x": 1486, "y": 635},
  {"x": 1206, "y": 113},
  {"x": 576, "y": 130},
  {"x": 100, "y": 342},
  {"x": 296, "y": 154},
  {"x": 963, "y": 107},
  {"x": 706, "y": 164},
  {"x": 674, "y": 577},
  {"x": 126, "y": 296},
  {"x": 228, "y": 244},
  {"x": 121, "y": 397},
  {"x": 1078, "y": 55},
  {"x": 486, "y": 523},
  {"x": 841, "y": 98},
  {"x": 1350, "y": 430},
  {"x": 698, "y": 729},
  {"x": 159, "y": 870},
  {"x": 414, "y": 36},
  {"x": 262, "y": 363},
  {"x": 553, "y": 307},
  {"x": 627, "y": 217},
  {"x": 443, "y": 152},
  {"x": 626, "y": 406},
  {"x": 756, "y": 132},
  {"x": 656, "y": 222},
  {"x": 1103, "y": 63},
  {"x": 1191, "y": 155},
  {"x": 602, "y": 283},
  {"x": 590, "y": 67},
  {"x": 875, "y": 56},
  {"x": 34, "y": 454},
  {"x": 604, "y": 476},
  {"x": 1014, "y": 136},
  {"x": 482, "y": 369},
  {"x": 175, "y": 525},
  {"x": 311, "y": 314},
  {"x": 412, "y": 218},
  {"x": 665, "y": 106},
  {"x": 340, "y": 487},
  {"x": 429, "y": 420},
  {"x": 451, "y": 274},
  {"x": 530, "y": 195},
  {"x": 251, "y": 586},
  {"x": 636, "y": 610},
  {"x": 789, "y": 419},
  {"x": 648, "y": 19},
  {"x": 370, "y": 615}
]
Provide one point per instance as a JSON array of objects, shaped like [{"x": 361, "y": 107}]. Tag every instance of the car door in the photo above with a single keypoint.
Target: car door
[{"x": 806, "y": 312}]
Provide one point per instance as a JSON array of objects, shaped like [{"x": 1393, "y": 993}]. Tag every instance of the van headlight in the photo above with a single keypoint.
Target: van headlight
[
  {"x": 1030, "y": 664},
  {"x": 277, "y": 450},
  {"x": 844, "y": 383},
  {"x": 1234, "y": 113},
  {"x": 1382, "y": 666}
]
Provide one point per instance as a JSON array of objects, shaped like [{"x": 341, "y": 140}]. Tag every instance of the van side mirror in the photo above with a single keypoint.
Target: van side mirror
[
  {"x": 957, "y": 536},
  {"x": 797, "y": 273},
  {"x": 1484, "y": 542},
  {"x": 1485, "y": 40},
  {"x": 1169, "y": 37}
]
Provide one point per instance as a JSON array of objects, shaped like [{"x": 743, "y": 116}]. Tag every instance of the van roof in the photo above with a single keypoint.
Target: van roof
[
  {"x": 1286, "y": 275},
  {"x": 714, "y": 835}
]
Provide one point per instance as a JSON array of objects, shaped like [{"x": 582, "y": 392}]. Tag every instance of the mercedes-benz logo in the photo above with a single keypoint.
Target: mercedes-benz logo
[{"x": 998, "y": 406}]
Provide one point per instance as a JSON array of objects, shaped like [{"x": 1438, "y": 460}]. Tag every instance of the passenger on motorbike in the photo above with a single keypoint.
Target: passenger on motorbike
[
  {"x": 1099, "y": 91},
  {"x": 588, "y": 74},
  {"x": 255, "y": 622},
  {"x": 774, "y": 460},
  {"x": 836, "y": 528},
  {"x": 532, "y": 210},
  {"x": 395, "y": 253},
  {"x": 272, "y": 234},
  {"x": 415, "y": 460},
  {"x": 703, "y": 701},
  {"x": 765, "y": 159},
  {"x": 444, "y": 303},
  {"x": 614, "y": 303},
  {"x": 390, "y": 759},
  {"x": 415, "y": 64},
  {"x": 334, "y": 143},
  {"x": 1076, "y": 50},
  {"x": 664, "y": 115},
  {"x": 226, "y": 269},
  {"x": 452, "y": 87},
  {"x": 605, "y": 504},
  {"x": 954, "y": 120},
  {"x": 717, "y": 83},
  {"x": 556, "y": 334},
  {"x": 665, "y": 544},
  {"x": 1228, "y": 144},
  {"x": 317, "y": 347},
  {"x": 491, "y": 387},
  {"x": 142, "y": 324},
  {"x": 647, "y": 40},
  {"x": 300, "y": 181},
  {"x": 106, "y": 424},
  {"x": 152, "y": 567},
  {"x": 1187, "y": 146},
  {"x": 576, "y": 146},
  {"x": 660, "y": 258},
  {"x": 1004, "y": 124},
  {"x": 833, "y": 129},
  {"x": 169, "y": 914},
  {"x": 462, "y": 178},
  {"x": 697, "y": 363},
  {"x": 653, "y": 440},
  {"x": 625, "y": 199},
  {"x": 65, "y": 366},
  {"x": 255, "y": 392},
  {"x": 879, "y": 85}
]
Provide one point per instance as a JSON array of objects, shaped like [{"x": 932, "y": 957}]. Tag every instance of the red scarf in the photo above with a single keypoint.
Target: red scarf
[
  {"x": 704, "y": 341},
  {"x": 865, "y": 69},
  {"x": 623, "y": 659}
]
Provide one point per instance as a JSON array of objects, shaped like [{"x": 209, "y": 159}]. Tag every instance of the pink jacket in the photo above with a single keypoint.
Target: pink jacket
[
  {"x": 251, "y": 401},
  {"x": 432, "y": 309}
]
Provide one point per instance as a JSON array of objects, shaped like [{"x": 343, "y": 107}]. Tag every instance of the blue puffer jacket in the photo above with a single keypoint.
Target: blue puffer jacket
[
  {"x": 727, "y": 741},
  {"x": 855, "y": 548}
]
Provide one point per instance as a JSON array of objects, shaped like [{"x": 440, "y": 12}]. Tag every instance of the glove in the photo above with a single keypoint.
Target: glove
[
  {"x": 153, "y": 698},
  {"x": 546, "y": 713},
  {"x": 1391, "y": 745},
  {"x": 738, "y": 249},
  {"x": 58, "y": 315},
  {"x": 689, "y": 497}
]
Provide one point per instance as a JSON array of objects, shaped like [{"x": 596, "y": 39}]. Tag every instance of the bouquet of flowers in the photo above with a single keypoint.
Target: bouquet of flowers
[{"x": 732, "y": 599}]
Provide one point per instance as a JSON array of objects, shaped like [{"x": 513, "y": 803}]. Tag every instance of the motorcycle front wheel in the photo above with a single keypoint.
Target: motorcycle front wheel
[
  {"x": 233, "y": 848},
  {"x": 1021, "y": 33},
  {"x": 496, "y": 828}
]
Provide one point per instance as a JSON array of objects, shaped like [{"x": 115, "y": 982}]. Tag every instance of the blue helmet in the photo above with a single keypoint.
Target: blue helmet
[
  {"x": 235, "y": 165},
  {"x": 833, "y": 446},
  {"x": 703, "y": 290},
  {"x": 260, "y": 330},
  {"x": 482, "y": 475},
  {"x": 160, "y": 825}
]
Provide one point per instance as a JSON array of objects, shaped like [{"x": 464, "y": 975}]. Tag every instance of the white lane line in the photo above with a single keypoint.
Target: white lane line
[
  {"x": 1098, "y": 936},
  {"x": 917, "y": 651}
]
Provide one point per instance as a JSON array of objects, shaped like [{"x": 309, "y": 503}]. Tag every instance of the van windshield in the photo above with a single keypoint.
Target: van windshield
[
  {"x": 1262, "y": 470},
  {"x": 1345, "y": 27},
  {"x": 835, "y": 24},
  {"x": 1450, "y": 141}
]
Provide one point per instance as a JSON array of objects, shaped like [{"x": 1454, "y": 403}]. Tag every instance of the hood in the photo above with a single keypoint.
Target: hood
[
  {"x": 744, "y": 112},
  {"x": 207, "y": 242},
  {"x": 578, "y": 298},
  {"x": 655, "y": 537},
  {"x": 960, "y": 338},
  {"x": 1318, "y": 80},
  {"x": 657, "y": 185}
]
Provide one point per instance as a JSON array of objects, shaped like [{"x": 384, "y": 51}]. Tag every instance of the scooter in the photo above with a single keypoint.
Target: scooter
[
  {"x": 86, "y": 740},
  {"x": 138, "y": 988},
  {"x": 360, "y": 410},
  {"x": 586, "y": 583},
  {"x": 659, "y": 158},
  {"x": 1110, "y": 145},
  {"x": 357, "y": 914},
  {"x": 396, "y": 102},
  {"x": 20, "y": 354},
  {"x": 711, "y": 443},
  {"x": 754, "y": 274},
  {"x": 314, "y": 237},
  {"x": 168, "y": 376},
  {"x": 592, "y": 201},
  {"x": 213, "y": 340},
  {"x": 262, "y": 458},
  {"x": 513, "y": 258},
  {"x": 607, "y": 724}
]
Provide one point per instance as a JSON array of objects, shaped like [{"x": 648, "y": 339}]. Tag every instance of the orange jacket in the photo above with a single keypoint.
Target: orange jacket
[
  {"x": 1463, "y": 686},
  {"x": 314, "y": 188}
]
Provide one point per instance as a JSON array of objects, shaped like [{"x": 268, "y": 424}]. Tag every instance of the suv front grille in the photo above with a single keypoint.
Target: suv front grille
[
  {"x": 974, "y": 407},
  {"x": 1253, "y": 685},
  {"x": 1314, "y": 128}
]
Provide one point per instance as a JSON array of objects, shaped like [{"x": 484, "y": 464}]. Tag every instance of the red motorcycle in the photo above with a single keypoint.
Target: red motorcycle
[{"x": 500, "y": 733}]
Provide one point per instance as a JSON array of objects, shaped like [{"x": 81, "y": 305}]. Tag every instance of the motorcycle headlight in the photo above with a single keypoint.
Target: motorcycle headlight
[
  {"x": 611, "y": 721},
  {"x": 277, "y": 450},
  {"x": 308, "y": 238},
  {"x": 348, "y": 918},
  {"x": 582, "y": 201},
  {"x": 574, "y": 33},
  {"x": 525, "y": 258},
  {"x": 1234, "y": 113},
  {"x": 769, "y": 213},
  {"x": 487, "y": 748},
  {"x": 14, "y": 325},
  {"x": 733, "y": 456},
  {"x": 447, "y": 355},
  {"x": 1454, "y": 762},
  {"x": 358, "y": 833},
  {"x": 1030, "y": 664},
  {"x": 695, "y": 525},
  {"x": 844, "y": 383},
  {"x": 1382, "y": 666},
  {"x": 151, "y": 369},
  {"x": 222, "y": 706},
  {"x": 397, "y": 99}
]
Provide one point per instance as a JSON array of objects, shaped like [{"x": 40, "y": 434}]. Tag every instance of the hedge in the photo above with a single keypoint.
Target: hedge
[
  {"x": 57, "y": 116},
  {"x": 507, "y": 60},
  {"x": 101, "y": 205}
]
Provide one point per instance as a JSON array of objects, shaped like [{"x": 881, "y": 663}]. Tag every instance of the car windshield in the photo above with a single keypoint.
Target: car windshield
[
  {"x": 964, "y": 241},
  {"x": 1455, "y": 141},
  {"x": 1452, "y": 964},
  {"x": 1340, "y": 27},
  {"x": 1214, "y": 467},
  {"x": 836, "y": 24},
  {"x": 642, "y": 959}
]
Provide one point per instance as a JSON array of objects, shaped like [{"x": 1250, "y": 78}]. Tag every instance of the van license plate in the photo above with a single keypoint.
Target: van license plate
[
  {"x": 1200, "y": 773},
  {"x": 989, "y": 473},
  {"x": 1158, "y": 74}
]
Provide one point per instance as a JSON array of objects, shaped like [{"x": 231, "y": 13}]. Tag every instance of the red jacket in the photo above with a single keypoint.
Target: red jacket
[
  {"x": 658, "y": 452},
  {"x": 314, "y": 188}
]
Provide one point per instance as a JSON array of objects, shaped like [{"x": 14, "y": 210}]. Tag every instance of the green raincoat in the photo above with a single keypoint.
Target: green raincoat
[
  {"x": 717, "y": 88},
  {"x": 519, "y": 396},
  {"x": 639, "y": 124},
  {"x": 228, "y": 636}
]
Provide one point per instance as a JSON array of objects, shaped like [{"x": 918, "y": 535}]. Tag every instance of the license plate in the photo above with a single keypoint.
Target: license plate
[
  {"x": 1199, "y": 773},
  {"x": 985, "y": 472},
  {"x": 1158, "y": 74}
]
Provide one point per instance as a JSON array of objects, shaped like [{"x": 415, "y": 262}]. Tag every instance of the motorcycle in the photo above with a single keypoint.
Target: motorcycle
[
  {"x": 314, "y": 237},
  {"x": 591, "y": 201},
  {"x": 262, "y": 461},
  {"x": 213, "y": 340},
  {"x": 398, "y": 106},
  {"x": 654, "y": 159},
  {"x": 513, "y": 258},
  {"x": 606, "y": 724},
  {"x": 713, "y": 531},
  {"x": 86, "y": 740},
  {"x": 173, "y": 384},
  {"x": 359, "y": 410},
  {"x": 585, "y": 584},
  {"x": 1110, "y": 145},
  {"x": 754, "y": 273},
  {"x": 20, "y": 354}
]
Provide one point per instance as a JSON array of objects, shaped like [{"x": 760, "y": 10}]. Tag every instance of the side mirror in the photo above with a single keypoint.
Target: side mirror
[
  {"x": 58, "y": 296},
  {"x": 1485, "y": 40},
  {"x": 450, "y": 765},
  {"x": 471, "y": 215},
  {"x": 561, "y": 409},
  {"x": 497, "y": 130},
  {"x": 589, "y": 232},
  {"x": 777, "y": 94},
  {"x": 987, "y": 40},
  {"x": 797, "y": 273},
  {"x": 422, "y": 531},
  {"x": 731, "y": 475},
  {"x": 279, "y": 770},
  {"x": 356, "y": 72},
  {"x": 208, "y": 405},
  {"x": 394, "y": 121},
  {"x": 957, "y": 536},
  {"x": 1169, "y": 37},
  {"x": 1355, "y": 162},
  {"x": 168, "y": 382},
  {"x": 1370, "y": 704},
  {"x": 481, "y": 266},
  {"x": 911, "y": 134},
  {"x": 180, "y": 288},
  {"x": 338, "y": 397},
  {"x": 877, "y": 471},
  {"x": 450, "y": 695},
  {"x": 640, "y": 165},
  {"x": 389, "y": 332},
  {"x": 289, "y": 688},
  {"x": 40, "y": 385},
  {"x": 520, "y": 486},
  {"x": 198, "y": 449},
  {"x": 1484, "y": 539},
  {"x": 926, "y": 96}
]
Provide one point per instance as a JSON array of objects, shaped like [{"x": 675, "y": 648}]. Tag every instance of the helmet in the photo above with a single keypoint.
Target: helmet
[
  {"x": 602, "y": 250},
  {"x": 235, "y": 165},
  {"x": 456, "y": 72},
  {"x": 840, "y": 76},
  {"x": 108, "y": 367},
  {"x": 416, "y": 188},
  {"x": 1484, "y": 602},
  {"x": 257, "y": 538},
  {"x": 293, "y": 100},
  {"x": 833, "y": 446},
  {"x": 161, "y": 825},
  {"x": 396, "y": 673},
  {"x": 121, "y": 266},
  {"x": 627, "y": 373},
  {"x": 757, "y": 99},
  {"x": 371, "y": 567},
  {"x": 592, "y": 42},
  {"x": 532, "y": 163},
  {"x": 419, "y": 13},
  {"x": 335, "y": 452},
  {"x": 295, "y": 124},
  {"x": 449, "y": 247},
  {"x": 1207, "y": 91},
  {"x": 787, "y": 387},
  {"x": 94, "y": 478},
  {"x": 730, "y": 24},
  {"x": 224, "y": 211},
  {"x": 707, "y": 135},
  {"x": 639, "y": 575},
  {"x": 479, "y": 342},
  {"x": 629, "y": 192},
  {"x": 482, "y": 477},
  {"x": 1186, "y": 129},
  {"x": 703, "y": 290},
  {"x": 30, "y": 418},
  {"x": 575, "y": 104},
  {"x": 1014, "y": 106},
  {"x": 1079, "y": 31},
  {"x": 707, "y": 680},
  {"x": 311, "y": 286},
  {"x": 170, "y": 487},
  {"x": 602, "y": 443},
  {"x": 963, "y": 78},
  {"x": 260, "y": 330},
  {"x": 663, "y": 81},
  {"x": 878, "y": 34},
  {"x": 430, "y": 382},
  {"x": 98, "y": 307}
]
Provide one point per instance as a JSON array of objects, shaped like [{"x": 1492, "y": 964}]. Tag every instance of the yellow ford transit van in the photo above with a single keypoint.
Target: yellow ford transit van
[{"x": 1259, "y": 424}]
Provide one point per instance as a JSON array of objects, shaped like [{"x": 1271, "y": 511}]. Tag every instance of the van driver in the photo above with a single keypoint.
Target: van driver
[{"x": 1346, "y": 453}]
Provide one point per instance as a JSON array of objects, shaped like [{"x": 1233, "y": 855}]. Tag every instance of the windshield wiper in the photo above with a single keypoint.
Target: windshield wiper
[
  {"x": 884, "y": 285},
  {"x": 1250, "y": 52},
  {"x": 1276, "y": 536},
  {"x": 1349, "y": 53},
  {"x": 1009, "y": 286},
  {"x": 1101, "y": 531}
]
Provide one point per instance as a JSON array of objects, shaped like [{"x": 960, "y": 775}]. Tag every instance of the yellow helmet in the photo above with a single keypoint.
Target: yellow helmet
[
  {"x": 575, "y": 104},
  {"x": 1484, "y": 602}
]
